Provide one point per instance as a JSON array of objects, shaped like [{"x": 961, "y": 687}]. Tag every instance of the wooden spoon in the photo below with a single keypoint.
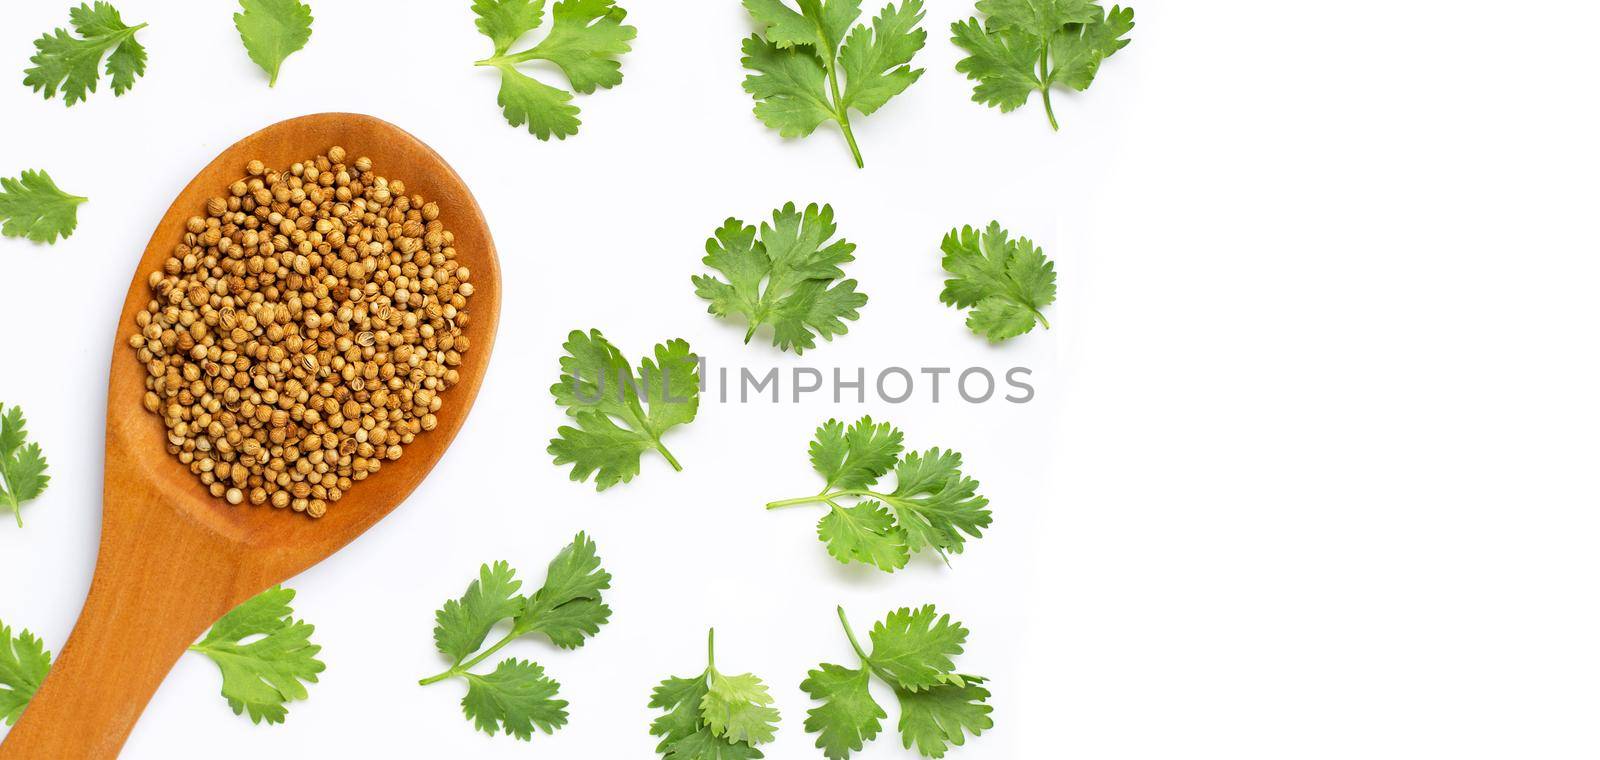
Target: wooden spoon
[{"x": 173, "y": 558}]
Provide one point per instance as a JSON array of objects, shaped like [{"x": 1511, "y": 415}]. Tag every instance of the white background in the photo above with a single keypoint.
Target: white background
[{"x": 1310, "y": 472}]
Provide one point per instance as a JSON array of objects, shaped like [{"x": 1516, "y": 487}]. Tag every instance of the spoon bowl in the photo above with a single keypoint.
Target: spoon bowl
[{"x": 172, "y": 557}]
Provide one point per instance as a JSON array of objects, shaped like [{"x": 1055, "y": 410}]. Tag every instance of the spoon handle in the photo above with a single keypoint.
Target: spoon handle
[{"x": 158, "y": 584}]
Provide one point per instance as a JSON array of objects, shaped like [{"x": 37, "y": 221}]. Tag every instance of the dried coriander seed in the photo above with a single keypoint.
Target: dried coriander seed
[{"x": 303, "y": 332}]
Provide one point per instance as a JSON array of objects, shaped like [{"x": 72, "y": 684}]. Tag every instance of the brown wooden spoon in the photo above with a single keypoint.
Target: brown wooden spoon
[{"x": 173, "y": 558}]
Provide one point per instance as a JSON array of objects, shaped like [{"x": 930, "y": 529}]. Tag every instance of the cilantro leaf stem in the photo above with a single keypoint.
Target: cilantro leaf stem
[
  {"x": 1044, "y": 76},
  {"x": 827, "y": 497},
  {"x": 842, "y": 113},
  {"x": 461, "y": 669},
  {"x": 844, "y": 620}
]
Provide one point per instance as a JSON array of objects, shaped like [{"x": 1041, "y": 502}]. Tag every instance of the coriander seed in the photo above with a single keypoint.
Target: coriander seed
[{"x": 303, "y": 332}]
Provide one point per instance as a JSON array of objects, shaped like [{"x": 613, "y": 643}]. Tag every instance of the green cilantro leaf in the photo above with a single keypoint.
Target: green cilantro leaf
[
  {"x": 31, "y": 206},
  {"x": 272, "y": 30},
  {"x": 933, "y": 506},
  {"x": 858, "y": 457},
  {"x": 567, "y": 609},
  {"x": 848, "y": 717},
  {"x": 546, "y": 110},
  {"x": 1007, "y": 283},
  {"x": 911, "y": 652},
  {"x": 934, "y": 719},
  {"x": 705, "y": 745},
  {"x": 71, "y": 65},
  {"x": 505, "y": 21},
  {"x": 914, "y": 648},
  {"x": 681, "y": 698},
  {"x": 586, "y": 41},
  {"x": 1078, "y": 49},
  {"x": 713, "y": 716},
  {"x": 516, "y": 696},
  {"x": 865, "y": 533},
  {"x": 599, "y": 390},
  {"x": 268, "y": 672},
  {"x": 1038, "y": 17},
  {"x": 23, "y": 666},
  {"x": 739, "y": 708},
  {"x": 464, "y": 623},
  {"x": 799, "y": 57},
  {"x": 788, "y": 277},
  {"x": 876, "y": 61},
  {"x": 1027, "y": 46},
  {"x": 22, "y": 464}
]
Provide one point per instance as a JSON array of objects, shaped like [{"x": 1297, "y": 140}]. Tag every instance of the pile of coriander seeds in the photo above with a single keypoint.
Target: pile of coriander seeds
[{"x": 302, "y": 332}]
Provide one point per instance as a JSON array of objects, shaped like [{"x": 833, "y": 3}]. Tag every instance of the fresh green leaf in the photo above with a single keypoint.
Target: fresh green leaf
[
  {"x": 1037, "y": 17},
  {"x": 713, "y": 716},
  {"x": 262, "y": 676},
  {"x": 681, "y": 698},
  {"x": 848, "y": 717},
  {"x": 788, "y": 277},
  {"x": 505, "y": 21},
  {"x": 877, "y": 61},
  {"x": 1027, "y": 46},
  {"x": 1005, "y": 64},
  {"x": 23, "y": 666},
  {"x": 738, "y": 708},
  {"x": 1077, "y": 50},
  {"x": 546, "y": 110},
  {"x": 821, "y": 24},
  {"x": 71, "y": 65},
  {"x": 705, "y": 745},
  {"x": 31, "y": 206},
  {"x": 934, "y": 719},
  {"x": 567, "y": 608},
  {"x": 516, "y": 697},
  {"x": 858, "y": 457},
  {"x": 272, "y": 30},
  {"x": 464, "y": 623},
  {"x": 621, "y": 413},
  {"x": 914, "y": 649},
  {"x": 587, "y": 40},
  {"x": 789, "y": 87},
  {"x": 13, "y": 430},
  {"x": 864, "y": 532},
  {"x": 912, "y": 652},
  {"x": 22, "y": 464},
  {"x": 933, "y": 506},
  {"x": 799, "y": 57}
]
